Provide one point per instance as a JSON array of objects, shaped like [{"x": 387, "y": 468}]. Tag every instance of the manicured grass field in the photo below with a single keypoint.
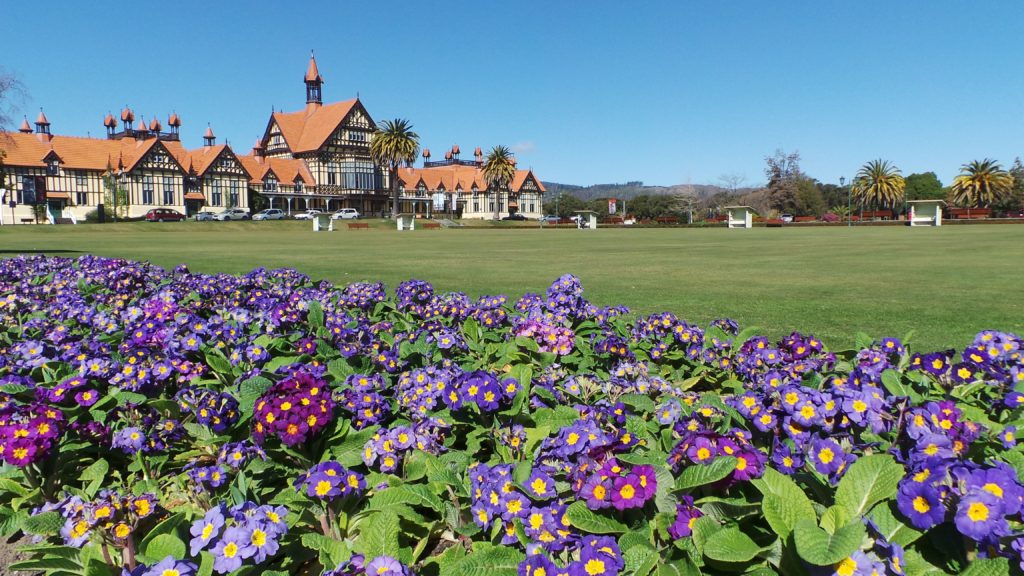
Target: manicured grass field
[{"x": 944, "y": 284}]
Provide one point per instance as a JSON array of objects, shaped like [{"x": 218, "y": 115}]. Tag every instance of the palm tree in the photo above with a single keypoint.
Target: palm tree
[
  {"x": 981, "y": 183},
  {"x": 393, "y": 144},
  {"x": 879, "y": 183},
  {"x": 499, "y": 170}
]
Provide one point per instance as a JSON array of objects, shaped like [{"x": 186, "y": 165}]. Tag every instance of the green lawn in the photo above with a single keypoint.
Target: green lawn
[{"x": 944, "y": 284}]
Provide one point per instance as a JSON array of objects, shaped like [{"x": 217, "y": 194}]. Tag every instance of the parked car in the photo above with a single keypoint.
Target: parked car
[
  {"x": 787, "y": 218},
  {"x": 346, "y": 214},
  {"x": 307, "y": 215},
  {"x": 204, "y": 216},
  {"x": 269, "y": 214},
  {"x": 516, "y": 216},
  {"x": 164, "y": 215},
  {"x": 550, "y": 219},
  {"x": 231, "y": 214}
]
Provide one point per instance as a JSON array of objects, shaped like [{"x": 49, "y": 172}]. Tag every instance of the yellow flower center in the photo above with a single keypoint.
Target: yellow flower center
[
  {"x": 627, "y": 491},
  {"x": 826, "y": 455},
  {"x": 230, "y": 550},
  {"x": 921, "y": 505},
  {"x": 993, "y": 489},
  {"x": 977, "y": 512}
]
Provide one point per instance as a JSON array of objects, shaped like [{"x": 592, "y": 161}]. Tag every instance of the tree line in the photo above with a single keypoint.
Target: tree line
[{"x": 879, "y": 184}]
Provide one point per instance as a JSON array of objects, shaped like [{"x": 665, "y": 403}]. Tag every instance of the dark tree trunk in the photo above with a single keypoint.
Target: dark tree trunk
[{"x": 394, "y": 193}]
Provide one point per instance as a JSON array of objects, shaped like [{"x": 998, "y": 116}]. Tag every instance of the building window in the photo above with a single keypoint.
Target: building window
[
  {"x": 332, "y": 174},
  {"x": 298, "y": 187},
  {"x": 80, "y": 179},
  {"x": 53, "y": 168},
  {"x": 215, "y": 196},
  {"x": 491, "y": 204},
  {"x": 358, "y": 175},
  {"x": 81, "y": 198},
  {"x": 147, "y": 189},
  {"x": 27, "y": 194},
  {"x": 234, "y": 193},
  {"x": 168, "y": 190},
  {"x": 270, "y": 185}
]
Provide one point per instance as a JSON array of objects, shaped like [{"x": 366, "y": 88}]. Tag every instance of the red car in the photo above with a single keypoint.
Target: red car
[{"x": 164, "y": 215}]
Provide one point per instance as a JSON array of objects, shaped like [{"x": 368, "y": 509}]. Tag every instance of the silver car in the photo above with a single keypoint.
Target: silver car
[
  {"x": 231, "y": 214},
  {"x": 204, "y": 216},
  {"x": 269, "y": 214}
]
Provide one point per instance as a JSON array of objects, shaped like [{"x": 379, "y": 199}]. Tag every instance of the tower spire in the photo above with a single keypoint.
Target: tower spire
[{"x": 314, "y": 82}]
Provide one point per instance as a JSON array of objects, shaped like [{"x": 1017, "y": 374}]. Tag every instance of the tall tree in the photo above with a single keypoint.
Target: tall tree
[
  {"x": 879, "y": 183},
  {"x": 783, "y": 172},
  {"x": 1014, "y": 201},
  {"x": 924, "y": 186},
  {"x": 809, "y": 201},
  {"x": 393, "y": 144},
  {"x": 499, "y": 170},
  {"x": 981, "y": 183},
  {"x": 12, "y": 91}
]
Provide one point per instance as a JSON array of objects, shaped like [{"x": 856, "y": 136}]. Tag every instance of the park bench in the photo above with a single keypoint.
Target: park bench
[
  {"x": 430, "y": 225},
  {"x": 667, "y": 220},
  {"x": 804, "y": 218},
  {"x": 358, "y": 226},
  {"x": 969, "y": 213}
]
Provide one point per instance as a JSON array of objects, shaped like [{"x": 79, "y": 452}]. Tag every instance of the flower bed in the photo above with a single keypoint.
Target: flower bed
[{"x": 169, "y": 423}]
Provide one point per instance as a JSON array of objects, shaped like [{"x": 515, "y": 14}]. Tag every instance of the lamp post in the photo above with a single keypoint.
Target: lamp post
[{"x": 849, "y": 202}]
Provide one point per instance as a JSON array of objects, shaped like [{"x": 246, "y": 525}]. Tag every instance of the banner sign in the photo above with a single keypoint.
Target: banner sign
[{"x": 612, "y": 205}]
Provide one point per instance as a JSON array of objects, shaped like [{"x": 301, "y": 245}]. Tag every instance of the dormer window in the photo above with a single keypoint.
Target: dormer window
[
  {"x": 53, "y": 167},
  {"x": 270, "y": 184},
  {"x": 298, "y": 186}
]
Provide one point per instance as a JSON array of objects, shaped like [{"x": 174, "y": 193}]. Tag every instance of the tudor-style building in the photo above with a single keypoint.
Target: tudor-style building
[
  {"x": 459, "y": 188},
  {"x": 71, "y": 176},
  {"x": 317, "y": 157}
]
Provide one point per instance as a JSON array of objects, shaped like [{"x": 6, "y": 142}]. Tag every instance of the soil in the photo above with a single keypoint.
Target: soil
[{"x": 9, "y": 555}]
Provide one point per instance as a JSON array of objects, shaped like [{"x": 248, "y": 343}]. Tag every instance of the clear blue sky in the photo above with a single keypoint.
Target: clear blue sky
[{"x": 585, "y": 92}]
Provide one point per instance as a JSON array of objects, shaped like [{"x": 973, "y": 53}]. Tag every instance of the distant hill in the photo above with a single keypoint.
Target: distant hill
[{"x": 633, "y": 189}]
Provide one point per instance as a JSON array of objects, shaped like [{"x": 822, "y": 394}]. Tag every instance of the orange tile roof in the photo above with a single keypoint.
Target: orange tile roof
[
  {"x": 307, "y": 130},
  {"x": 286, "y": 169},
  {"x": 456, "y": 176},
  {"x": 312, "y": 74}
]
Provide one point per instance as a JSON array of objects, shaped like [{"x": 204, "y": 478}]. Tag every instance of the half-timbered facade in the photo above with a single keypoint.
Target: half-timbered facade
[
  {"x": 129, "y": 172},
  {"x": 459, "y": 188},
  {"x": 317, "y": 157},
  {"x": 332, "y": 141}
]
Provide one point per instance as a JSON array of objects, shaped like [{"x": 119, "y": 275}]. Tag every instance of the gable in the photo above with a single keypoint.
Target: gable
[
  {"x": 158, "y": 157},
  {"x": 274, "y": 139}
]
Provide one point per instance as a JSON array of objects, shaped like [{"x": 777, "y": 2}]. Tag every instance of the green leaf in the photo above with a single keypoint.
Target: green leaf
[
  {"x": 784, "y": 503},
  {"x": 834, "y": 518},
  {"x": 350, "y": 451},
  {"x": 168, "y": 526},
  {"x": 730, "y": 545},
  {"x": 332, "y": 552},
  {"x": 43, "y": 524},
  {"x": 700, "y": 474},
  {"x": 892, "y": 528},
  {"x": 587, "y": 520},
  {"x": 487, "y": 560},
  {"x": 48, "y": 564},
  {"x": 988, "y": 567},
  {"x": 279, "y": 361},
  {"x": 641, "y": 402},
  {"x": 411, "y": 494},
  {"x": 869, "y": 480},
  {"x": 820, "y": 548},
  {"x": 95, "y": 474},
  {"x": 315, "y": 316},
  {"x": 703, "y": 529},
  {"x": 640, "y": 560},
  {"x": 249, "y": 391},
  {"x": 378, "y": 536},
  {"x": 164, "y": 545},
  {"x": 217, "y": 361}
]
